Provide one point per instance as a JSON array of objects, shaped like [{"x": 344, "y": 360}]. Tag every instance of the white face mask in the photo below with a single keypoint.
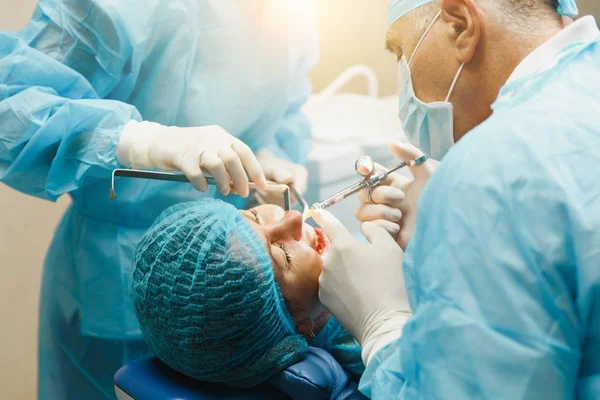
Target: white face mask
[{"x": 430, "y": 127}]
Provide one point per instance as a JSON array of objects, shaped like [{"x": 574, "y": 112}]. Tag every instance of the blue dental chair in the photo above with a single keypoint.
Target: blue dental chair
[{"x": 318, "y": 377}]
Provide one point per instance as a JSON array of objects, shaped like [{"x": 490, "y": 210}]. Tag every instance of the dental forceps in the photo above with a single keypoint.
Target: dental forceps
[
  {"x": 365, "y": 167},
  {"x": 287, "y": 191}
]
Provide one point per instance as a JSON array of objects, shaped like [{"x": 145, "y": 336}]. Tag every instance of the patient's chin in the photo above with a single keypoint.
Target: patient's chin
[
  {"x": 321, "y": 321},
  {"x": 318, "y": 311}
]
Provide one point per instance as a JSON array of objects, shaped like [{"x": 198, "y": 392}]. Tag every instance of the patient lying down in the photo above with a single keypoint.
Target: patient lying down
[{"x": 231, "y": 296}]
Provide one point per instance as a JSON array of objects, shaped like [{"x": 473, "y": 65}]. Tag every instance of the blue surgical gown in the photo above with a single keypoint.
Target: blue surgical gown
[
  {"x": 503, "y": 269},
  {"x": 70, "y": 81},
  {"x": 342, "y": 346}
]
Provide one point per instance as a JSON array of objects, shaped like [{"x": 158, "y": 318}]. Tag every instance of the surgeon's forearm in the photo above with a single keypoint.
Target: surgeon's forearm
[
  {"x": 388, "y": 332},
  {"x": 59, "y": 141},
  {"x": 54, "y": 129}
]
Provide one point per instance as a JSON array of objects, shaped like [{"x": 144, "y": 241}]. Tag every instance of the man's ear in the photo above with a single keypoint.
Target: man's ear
[
  {"x": 464, "y": 22},
  {"x": 305, "y": 327}
]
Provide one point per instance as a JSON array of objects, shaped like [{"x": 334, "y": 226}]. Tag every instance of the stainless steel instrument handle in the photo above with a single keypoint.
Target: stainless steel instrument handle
[{"x": 177, "y": 177}]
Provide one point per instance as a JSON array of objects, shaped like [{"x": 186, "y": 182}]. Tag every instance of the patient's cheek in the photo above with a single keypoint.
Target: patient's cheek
[
  {"x": 316, "y": 269},
  {"x": 313, "y": 274}
]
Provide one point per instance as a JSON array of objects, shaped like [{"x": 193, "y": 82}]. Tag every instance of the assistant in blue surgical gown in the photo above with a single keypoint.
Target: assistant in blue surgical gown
[{"x": 69, "y": 83}]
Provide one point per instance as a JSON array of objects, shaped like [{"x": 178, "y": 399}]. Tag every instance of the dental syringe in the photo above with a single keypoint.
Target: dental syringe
[{"x": 365, "y": 167}]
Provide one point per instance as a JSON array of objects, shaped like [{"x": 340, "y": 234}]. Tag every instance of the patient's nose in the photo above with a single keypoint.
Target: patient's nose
[{"x": 288, "y": 227}]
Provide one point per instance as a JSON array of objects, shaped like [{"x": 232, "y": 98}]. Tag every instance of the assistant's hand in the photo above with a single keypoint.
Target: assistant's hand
[
  {"x": 283, "y": 171},
  {"x": 362, "y": 285},
  {"x": 280, "y": 171},
  {"x": 394, "y": 206},
  {"x": 192, "y": 151}
]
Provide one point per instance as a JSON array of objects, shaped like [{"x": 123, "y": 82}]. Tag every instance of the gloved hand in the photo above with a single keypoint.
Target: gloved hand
[
  {"x": 363, "y": 285},
  {"x": 210, "y": 149},
  {"x": 283, "y": 171},
  {"x": 280, "y": 171},
  {"x": 394, "y": 206}
]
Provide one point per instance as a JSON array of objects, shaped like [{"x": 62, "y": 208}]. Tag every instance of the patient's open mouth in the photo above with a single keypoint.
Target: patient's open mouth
[
  {"x": 323, "y": 242},
  {"x": 316, "y": 239}
]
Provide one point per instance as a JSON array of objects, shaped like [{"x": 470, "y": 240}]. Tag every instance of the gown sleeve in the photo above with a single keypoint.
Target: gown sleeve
[
  {"x": 491, "y": 281},
  {"x": 56, "y": 125}
]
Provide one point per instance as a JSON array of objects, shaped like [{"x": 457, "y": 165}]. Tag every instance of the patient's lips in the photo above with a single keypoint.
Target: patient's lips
[
  {"x": 323, "y": 241},
  {"x": 315, "y": 238}
]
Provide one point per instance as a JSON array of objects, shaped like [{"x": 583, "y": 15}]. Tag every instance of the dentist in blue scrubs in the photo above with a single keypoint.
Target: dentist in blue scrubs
[
  {"x": 88, "y": 86},
  {"x": 497, "y": 295}
]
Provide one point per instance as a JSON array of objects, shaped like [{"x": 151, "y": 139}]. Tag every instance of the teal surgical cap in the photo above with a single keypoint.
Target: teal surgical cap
[
  {"x": 399, "y": 8},
  {"x": 206, "y": 298}
]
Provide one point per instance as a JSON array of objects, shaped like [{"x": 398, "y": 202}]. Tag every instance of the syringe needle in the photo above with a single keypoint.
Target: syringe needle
[
  {"x": 370, "y": 181},
  {"x": 308, "y": 213}
]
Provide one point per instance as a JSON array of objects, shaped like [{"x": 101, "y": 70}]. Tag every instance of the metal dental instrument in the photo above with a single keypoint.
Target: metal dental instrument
[
  {"x": 300, "y": 200},
  {"x": 365, "y": 167},
  {"x": 177, "y": 177}
]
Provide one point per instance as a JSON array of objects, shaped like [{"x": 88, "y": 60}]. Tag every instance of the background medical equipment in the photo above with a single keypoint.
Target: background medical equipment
[
  {"x": 372, "y": 179},
  {"x": 286, "y": 190},
  {"x": 345, "y": 127}
]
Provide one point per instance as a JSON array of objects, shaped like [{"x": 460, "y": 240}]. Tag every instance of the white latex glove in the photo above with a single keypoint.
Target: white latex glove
[
  {"x": 280, "y": 171},
  {"x": 395, "y": 207},
  {"x": 148, "y": 145},
  {"x": 363, "y": 285}
]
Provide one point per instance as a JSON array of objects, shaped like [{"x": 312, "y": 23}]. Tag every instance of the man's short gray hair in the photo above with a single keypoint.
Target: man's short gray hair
[{"x": 517, "y": 15}]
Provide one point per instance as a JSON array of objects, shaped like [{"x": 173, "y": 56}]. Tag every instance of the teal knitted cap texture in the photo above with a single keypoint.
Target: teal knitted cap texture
[{"x": 205, "y": 295}]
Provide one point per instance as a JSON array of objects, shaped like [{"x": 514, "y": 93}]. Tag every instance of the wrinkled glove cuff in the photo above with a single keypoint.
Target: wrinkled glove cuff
[
  {"x": 134, "y": 143},
  {"x": 389, "y": 332}
]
